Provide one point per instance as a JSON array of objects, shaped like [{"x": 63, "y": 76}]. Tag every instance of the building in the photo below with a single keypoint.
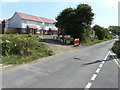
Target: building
[{"x": 28, "y": 24}]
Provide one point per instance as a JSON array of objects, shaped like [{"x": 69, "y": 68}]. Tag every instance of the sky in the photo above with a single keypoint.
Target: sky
[{"x": 106, "y": 11}]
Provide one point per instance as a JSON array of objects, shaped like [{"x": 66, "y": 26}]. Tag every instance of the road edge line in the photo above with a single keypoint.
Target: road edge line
[{"x": 115, "y": 59}]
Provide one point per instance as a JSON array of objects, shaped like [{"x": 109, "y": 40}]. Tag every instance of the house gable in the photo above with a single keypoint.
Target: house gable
[{"x": 15, "y": 21}]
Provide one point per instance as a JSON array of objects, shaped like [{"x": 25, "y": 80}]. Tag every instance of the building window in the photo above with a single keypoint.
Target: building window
[
  {"x": 38, "y": 31},
  {"x": 46, "y": 32},
  {"x": 24, "y": 21},
  {"x": 46, "y": 24},
  {"x": 24, "y": 30},
  {"x": 38, "y": 23},
  {"x": 31, "y": 29},
  {"x": 52, "y": 25}
]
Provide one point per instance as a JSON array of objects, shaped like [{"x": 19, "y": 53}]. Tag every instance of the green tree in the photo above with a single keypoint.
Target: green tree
[
  {"x": 75, "y": 21},
  {"x": 101, "y": 32},
  {"x": 107, "y": 33},
  {"x": 115, "y": 30}
]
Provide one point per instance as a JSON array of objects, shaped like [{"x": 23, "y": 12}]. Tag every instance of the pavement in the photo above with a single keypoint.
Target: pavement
[{"x": 88, "y": 67}]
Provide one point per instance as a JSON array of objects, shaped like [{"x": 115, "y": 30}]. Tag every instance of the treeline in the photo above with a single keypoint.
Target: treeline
[
  {"x": 76, "y": 22},
  {"x": 101, "y": 32}
]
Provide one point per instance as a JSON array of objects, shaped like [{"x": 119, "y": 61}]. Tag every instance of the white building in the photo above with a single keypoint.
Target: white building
[{"x": 29, "y": 24}]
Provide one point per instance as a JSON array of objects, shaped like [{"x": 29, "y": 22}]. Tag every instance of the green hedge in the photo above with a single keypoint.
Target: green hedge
[{"x": 116, "y": 48}]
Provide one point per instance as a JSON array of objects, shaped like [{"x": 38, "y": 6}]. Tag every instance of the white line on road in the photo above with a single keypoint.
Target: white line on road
[
  {"x": 93, "y": 77},
  {"x": 88, "y": 85},
  {"x": 115, "y": 58},
  {"x": 103, "y": 61},
  {"x": 100, "y": 65},
  {"x": 98, "y": 69},
  {"x": 106, "y": 55}
]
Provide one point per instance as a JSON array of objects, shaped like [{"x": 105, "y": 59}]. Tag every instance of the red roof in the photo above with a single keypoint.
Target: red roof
[
  {"x": 29, "y": 17},
  {"x": 31, "y": 26},
  {"x": 35, "y": 18},
  {"x": 47, "y": 20}
]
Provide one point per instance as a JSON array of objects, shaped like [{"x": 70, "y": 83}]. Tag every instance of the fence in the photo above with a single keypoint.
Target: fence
[{"x": 10, "y": 30}]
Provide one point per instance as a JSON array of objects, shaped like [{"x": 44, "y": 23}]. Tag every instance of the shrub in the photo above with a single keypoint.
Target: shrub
[
  {"x": 116, "y": 48},
  {"x": 18, "y": 45},
  {"x": 18, "y": 49}
]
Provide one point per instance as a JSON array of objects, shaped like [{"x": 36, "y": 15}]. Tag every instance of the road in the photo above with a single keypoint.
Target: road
[{"x": 70, "y": 70}]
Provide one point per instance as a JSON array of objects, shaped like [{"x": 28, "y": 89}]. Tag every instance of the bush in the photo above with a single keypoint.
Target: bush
[
  {"x": 18, "y": 49},
  {"x": 17, "y": 44},
  {"x": 116, "y": 48}
]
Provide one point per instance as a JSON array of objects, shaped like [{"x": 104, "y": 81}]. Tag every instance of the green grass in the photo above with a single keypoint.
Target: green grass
[
  {"x": 92, "y": 41},
  {"x": 38, "y": 51}
]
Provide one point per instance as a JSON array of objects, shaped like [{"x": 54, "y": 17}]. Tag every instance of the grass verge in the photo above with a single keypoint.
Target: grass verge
[
  {"x": 38, "y": 51},
  {"x": 18, "y": 49},
  {"x": 93, "y": 41}
]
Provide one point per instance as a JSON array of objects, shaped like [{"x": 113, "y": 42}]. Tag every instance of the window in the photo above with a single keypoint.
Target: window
[
  {"x": 46, "y": 24},
  {"x": 38, "y": 23},
  {"x": 38, "y": 30},
  {"x": 31, "y": 29},
  {"x": 24, "y": 21},
  {"x": 24, "y": 30},
  {"x": 46, "y": 32}
]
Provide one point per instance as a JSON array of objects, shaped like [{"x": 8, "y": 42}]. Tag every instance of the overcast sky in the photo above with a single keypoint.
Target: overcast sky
[{"x": 106, "y": 10}]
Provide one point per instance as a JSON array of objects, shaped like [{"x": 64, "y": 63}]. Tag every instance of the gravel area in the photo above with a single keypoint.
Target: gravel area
[{"x": 58, "y": 47}]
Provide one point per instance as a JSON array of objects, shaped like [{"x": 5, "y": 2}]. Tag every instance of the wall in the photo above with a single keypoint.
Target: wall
[
  {"x": 15, "y": 22},
  {"x": 11, "y": 30},
  {"x": 47, "y": 26},
  {"x": 28, "y": 22}
]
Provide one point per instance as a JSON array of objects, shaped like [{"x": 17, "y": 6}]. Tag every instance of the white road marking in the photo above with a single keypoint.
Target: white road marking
[
  {"x": 106, "y": 55},
  {"x": 100, "y": 65},
  {"x": 115, "y": 59},
  {"x": 98, "y": 69},
  {"x": 103, "y": 61},
  {"x": 93, "y": 77},
  {"x": 88, "y": 85}
]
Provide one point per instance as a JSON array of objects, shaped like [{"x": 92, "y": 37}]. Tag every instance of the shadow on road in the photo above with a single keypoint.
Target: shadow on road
[
  {"x": 97, "y": 61},
  {"x": 52, "y": 41}
]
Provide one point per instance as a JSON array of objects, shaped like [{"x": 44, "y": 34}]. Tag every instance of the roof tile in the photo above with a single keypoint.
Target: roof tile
[{"x": 35, "y": 18}]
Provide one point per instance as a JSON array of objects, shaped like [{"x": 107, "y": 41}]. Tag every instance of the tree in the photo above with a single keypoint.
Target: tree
[
  {"x": 115, "y": 30},
  {"x": 101, "y": 32},
  {"x": 107, "y": 33},
  {"x": 98, "y": 32},
  {"x": 75, "y": 21}
]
